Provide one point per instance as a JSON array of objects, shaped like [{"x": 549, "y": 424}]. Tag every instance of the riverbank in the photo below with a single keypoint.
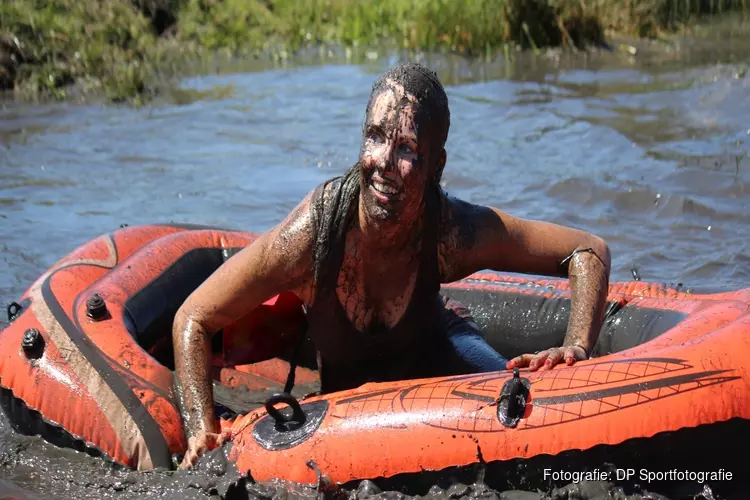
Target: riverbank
[{"x": 119, "y": 48}]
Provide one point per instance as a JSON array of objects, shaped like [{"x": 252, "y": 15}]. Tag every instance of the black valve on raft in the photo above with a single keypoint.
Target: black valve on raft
[
  {"x": 32, "y": 343},
  {"x": 513, "y": 398}
]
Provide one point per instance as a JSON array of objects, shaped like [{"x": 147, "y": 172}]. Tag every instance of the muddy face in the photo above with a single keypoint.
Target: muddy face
[{"x": 393, "y": 161}]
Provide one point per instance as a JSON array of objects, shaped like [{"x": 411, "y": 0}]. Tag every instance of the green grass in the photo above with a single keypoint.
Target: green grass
[
  {"x": 117, "y": 46},
  {"x": 108, "y": 45}
]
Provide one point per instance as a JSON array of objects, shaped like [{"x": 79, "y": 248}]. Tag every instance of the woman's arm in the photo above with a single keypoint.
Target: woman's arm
[
  {"x": 478, "y": 238},
  {"x": 278, "y": 261}
]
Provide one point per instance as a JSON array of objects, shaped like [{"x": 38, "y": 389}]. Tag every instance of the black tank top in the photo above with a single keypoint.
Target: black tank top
[{"x": 348, "y": 357}]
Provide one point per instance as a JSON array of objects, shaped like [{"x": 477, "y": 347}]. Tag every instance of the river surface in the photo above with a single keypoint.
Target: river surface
[{"x": 650, "y": 151}]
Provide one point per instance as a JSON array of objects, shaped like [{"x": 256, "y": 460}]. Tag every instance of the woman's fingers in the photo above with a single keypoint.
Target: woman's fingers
[
  {"x": 575, "y": 353},
  {"x": 202, "y": 443},
  {"x": 521, "y": 361},
  {"x": 555, "y": 356},
  {"x": 548, "y": 358},
  {"x": 533, "y": 361}
]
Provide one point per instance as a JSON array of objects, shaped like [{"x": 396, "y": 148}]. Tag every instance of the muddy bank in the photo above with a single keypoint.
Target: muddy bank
[{"x": 122, "y": 48}]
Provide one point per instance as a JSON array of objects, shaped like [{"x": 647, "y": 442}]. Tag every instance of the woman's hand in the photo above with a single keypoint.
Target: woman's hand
[
  {"x": 201, "y": 443},
  {"x": 277, "y": 261},
  {"x": 549, "y": 358}
]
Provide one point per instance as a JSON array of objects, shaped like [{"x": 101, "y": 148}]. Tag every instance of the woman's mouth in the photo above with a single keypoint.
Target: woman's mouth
[
  {"x": 384, "y": 188},
  {"x": 385, "y": 193},
  {"x": 382, "y": 191}
]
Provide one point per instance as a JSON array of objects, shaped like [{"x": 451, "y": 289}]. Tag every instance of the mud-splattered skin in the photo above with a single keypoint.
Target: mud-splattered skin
[
  {"x": 379, "y": 269},
  {"x": 400, "y": 164}
]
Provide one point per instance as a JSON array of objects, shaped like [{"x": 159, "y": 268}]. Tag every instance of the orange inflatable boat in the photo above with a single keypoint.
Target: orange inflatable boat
[{"x": 86, "y": 362}]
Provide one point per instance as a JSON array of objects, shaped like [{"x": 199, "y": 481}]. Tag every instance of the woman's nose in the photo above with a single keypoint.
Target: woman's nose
[
  {"x": 387, "y": 159},
  {"x": 385, "y": 163}
]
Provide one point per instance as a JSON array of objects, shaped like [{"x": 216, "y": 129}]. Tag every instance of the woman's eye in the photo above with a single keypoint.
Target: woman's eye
[
  {"x": 405, "y": 148},
  {"x": 375, "y": 137}
]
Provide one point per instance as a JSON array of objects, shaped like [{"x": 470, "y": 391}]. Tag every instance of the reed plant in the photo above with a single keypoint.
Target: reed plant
[{"x": 117, "y": 45}]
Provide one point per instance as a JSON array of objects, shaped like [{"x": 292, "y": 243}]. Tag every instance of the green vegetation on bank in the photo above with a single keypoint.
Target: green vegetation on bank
[{"x": 116, "y": 46}]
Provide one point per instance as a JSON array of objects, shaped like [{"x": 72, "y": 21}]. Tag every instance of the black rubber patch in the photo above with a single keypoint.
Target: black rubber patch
[{"x": 275, "y": 437}]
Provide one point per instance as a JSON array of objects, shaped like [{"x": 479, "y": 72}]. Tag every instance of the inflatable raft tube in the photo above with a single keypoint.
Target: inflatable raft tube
[{"x": 87, "y": 362}]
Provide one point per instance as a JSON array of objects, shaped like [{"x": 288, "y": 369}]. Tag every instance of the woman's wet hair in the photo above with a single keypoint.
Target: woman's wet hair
[
  {"x": 332, "y": 213},
  {"x": 433, "y": 114}
]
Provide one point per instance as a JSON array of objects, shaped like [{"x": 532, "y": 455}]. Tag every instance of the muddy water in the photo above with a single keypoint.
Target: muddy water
[{"x": 649, "y": 151}]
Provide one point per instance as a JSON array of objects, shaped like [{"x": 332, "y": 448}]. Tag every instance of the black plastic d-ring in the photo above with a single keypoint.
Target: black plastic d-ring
[
  {"x": 14, "y": 309},
  {"x": 297, "y": 415}
]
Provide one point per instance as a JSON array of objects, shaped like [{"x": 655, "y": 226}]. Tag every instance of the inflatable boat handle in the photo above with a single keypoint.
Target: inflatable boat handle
[{"x": 298, "y": 415}]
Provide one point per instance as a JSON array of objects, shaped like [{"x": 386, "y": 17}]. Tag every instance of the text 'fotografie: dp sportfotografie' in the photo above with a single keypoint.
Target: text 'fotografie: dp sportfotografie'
[{"x": 641, "y": 475}]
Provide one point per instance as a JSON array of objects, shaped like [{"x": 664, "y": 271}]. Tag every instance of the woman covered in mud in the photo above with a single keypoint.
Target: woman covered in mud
[{"x": 367, "y": 253}]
